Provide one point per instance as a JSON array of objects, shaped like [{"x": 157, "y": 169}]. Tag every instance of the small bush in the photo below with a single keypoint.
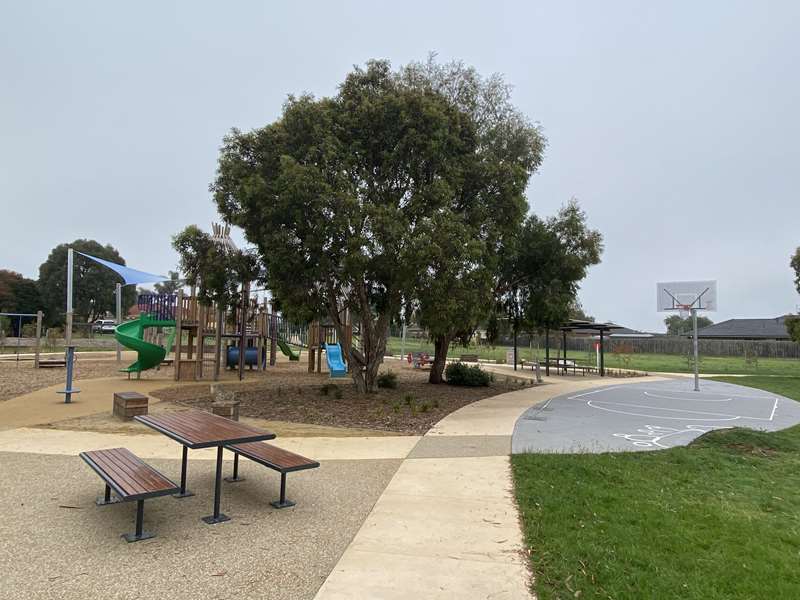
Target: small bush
[
  {"x": 395, "y": 407},
  {"x": 387, "y": 380},
  {"x": 337, "y": 393},
  {"x": 461, "y": 374},
  {"x": 408, "y": 399},
  {"x": 423, "y": 408}
]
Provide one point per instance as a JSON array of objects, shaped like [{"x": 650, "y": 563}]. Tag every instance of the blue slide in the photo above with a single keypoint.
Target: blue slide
[{"x": 336, "y": 366}]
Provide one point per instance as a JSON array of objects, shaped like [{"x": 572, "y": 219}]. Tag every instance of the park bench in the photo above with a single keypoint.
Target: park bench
[
  {"x": 273, "y": 457},
  {"x": 131, "y": 479},
  {"x": 570, "y": 365},
  {"x": 469, "y": 358},
  {"x": 420, "y": 360},
  {"x": 52, "y": 363}
]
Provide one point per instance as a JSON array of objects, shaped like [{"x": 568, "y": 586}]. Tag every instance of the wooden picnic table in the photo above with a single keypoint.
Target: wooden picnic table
[{"x": 199, "y": 429}]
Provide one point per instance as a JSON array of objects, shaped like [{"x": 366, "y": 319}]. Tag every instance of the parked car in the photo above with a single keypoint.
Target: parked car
[{"x": 104, "y": 326}]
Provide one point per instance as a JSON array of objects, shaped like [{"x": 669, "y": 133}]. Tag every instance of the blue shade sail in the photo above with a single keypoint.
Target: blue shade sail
[{"x": 131, "y": 276}]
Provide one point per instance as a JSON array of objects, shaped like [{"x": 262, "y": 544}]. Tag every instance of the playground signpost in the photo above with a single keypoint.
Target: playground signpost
[{"x": 687, "y": 297}]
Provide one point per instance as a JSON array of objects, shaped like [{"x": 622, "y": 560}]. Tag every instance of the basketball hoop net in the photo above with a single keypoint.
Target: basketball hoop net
[{"x": 685, "y": 311}]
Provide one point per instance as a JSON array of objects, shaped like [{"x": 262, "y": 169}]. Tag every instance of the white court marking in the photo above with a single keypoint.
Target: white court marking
[
  {"x": 688, "y": 399},
  {"x": 651, "y": 436},
  {"x": 675, "y": 414}
]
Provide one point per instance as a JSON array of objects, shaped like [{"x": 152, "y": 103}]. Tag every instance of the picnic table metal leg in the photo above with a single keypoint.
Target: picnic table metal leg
[
  {"x": 217, "y": 517},
  {"x": 106, "y": 498},
  {"x": 184, "y": 493},
  {"x": 140, "y": 534},
  {"x": 283, "y": 502},
  {"x": 235, "y": 477}
]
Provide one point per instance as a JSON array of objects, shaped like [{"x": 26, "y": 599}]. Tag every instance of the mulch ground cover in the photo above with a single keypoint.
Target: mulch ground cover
[{"x": 290, "y": 393}]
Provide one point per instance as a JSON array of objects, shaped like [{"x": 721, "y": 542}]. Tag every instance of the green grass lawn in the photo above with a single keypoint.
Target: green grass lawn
[
  {"x": 718, "y": 519},
  {"x": 657, "y": 363}
]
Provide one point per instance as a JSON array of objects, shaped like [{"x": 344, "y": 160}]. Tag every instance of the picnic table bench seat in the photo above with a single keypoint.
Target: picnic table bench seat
[
  {"x": 131, "y": 479},
  {"x": 274, "y": 458}
]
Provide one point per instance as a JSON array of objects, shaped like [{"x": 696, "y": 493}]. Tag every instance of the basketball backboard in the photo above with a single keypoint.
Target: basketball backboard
[{"x": 684, "y": 295}]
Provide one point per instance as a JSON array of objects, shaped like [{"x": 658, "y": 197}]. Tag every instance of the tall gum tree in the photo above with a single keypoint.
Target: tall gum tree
[
  {"x": 343, "y": 196},
  {"x": 456, "y": 285}
]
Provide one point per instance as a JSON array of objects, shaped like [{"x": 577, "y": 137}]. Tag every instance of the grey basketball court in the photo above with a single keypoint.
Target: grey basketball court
[{"x": 647, "y": 416}]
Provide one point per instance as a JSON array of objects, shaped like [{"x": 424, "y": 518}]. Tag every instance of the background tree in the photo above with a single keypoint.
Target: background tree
[
  {"x": 18, "y": 294},
  {"x": 338, "y": 196},
  {"x": 793, "y": 323},
  {"x": 217, "y": 270},
  {"x": 676, "y": 325},
  {"x": 793, "y": 328},
  {"x": 171, "y": 286},
  {"x": 456, "y": 283},
  {"x": 93, "y": 287},
  {"x": 578, "y": 313},
  {"x": 544, "y": 267}
]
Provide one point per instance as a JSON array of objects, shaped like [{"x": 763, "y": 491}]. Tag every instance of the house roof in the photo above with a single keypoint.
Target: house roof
[
  {"x": 747, "y": 329},
  {"x": 627, "y": 332}
]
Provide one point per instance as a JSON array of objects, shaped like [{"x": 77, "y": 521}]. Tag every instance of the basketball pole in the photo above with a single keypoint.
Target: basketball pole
[{"x": 696, "y": 352}]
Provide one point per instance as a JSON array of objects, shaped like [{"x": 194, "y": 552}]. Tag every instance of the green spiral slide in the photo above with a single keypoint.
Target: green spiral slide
[{"x": 131, "y": 334}]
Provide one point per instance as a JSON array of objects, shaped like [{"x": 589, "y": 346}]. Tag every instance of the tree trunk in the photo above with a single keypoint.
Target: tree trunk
[
  {"x": 365, "y": 361},
  {"x": 441, "y": 345}
]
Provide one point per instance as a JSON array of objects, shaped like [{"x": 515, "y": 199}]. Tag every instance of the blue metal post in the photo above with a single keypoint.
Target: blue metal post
[{"x": 68, "y": 391}]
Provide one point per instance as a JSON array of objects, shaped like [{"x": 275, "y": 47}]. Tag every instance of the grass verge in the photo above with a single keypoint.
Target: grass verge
[{"x": 718, "y": 519}]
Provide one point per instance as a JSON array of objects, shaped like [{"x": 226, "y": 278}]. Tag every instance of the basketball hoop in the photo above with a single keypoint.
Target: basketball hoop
[{"x": 687, "y": 297}]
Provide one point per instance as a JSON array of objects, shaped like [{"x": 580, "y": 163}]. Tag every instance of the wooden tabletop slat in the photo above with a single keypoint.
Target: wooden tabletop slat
[{"x": 200, "y": 428}]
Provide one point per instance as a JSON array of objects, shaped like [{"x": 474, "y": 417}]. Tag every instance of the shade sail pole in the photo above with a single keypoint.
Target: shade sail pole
[{"x": 70, "y": 265}]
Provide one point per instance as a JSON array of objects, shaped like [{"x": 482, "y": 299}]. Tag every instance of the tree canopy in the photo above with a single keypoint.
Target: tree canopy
[
  {"x": 94, "y": 284},
  {"x": 341, "y": 195},
  {"x": 676, "y": 325},
  {"x": 458, "y": 275},
  {"x": 18, "y": 294},
  {"x": 793, "y": 323},
  {"x": 545, "y": 264},
  {"x": 214, "y": 268},
  {"x": 171, "y": 286}
]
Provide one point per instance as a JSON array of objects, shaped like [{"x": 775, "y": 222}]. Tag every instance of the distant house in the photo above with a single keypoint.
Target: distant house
[{"x": 746, "y": 329}]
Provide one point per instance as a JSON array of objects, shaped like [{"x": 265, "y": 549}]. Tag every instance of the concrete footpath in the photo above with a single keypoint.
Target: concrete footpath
[{"x": 447, "y": 524}]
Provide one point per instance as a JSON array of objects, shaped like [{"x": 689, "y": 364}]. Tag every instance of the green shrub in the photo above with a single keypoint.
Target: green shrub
[
  {"x": 461, "y": 374},
  {"x": 387, "y": 380}
]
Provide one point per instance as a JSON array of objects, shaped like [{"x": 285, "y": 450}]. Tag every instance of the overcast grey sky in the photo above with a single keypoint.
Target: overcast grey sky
[{"x": 675, "y": 124}]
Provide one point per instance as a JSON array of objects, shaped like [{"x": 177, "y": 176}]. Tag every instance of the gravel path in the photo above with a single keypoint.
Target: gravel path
[{"x": 55, "y": 543}]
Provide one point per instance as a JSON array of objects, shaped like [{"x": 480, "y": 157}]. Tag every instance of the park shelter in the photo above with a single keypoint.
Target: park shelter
[{"x": 577, "y": 326}]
